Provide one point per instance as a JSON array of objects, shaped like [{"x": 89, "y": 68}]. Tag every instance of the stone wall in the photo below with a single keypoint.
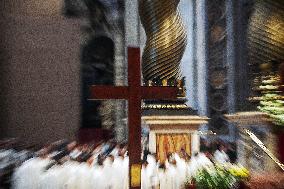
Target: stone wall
[{"x": 39, "y": 68}]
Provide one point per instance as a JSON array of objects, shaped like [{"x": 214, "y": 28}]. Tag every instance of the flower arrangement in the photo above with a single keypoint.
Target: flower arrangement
[
  {"x": 239, "y": 172},
  {"x": 220, "y": 177}
]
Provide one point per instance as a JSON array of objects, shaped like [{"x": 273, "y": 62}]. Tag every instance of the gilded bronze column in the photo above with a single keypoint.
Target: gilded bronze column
[
  {"x": 166, "y": 40},
  {"x": 164, "y": 48}
]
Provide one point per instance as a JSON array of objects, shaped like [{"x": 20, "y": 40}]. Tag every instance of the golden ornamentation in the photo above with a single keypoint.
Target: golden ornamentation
[
  {"x": 166, "y": 39},
  {"x": 135, "y": 175},
  {"x": 164, "y": 106}
]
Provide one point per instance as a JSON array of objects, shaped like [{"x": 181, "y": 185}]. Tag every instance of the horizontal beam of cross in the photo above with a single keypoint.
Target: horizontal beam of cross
[{"x": 120, "y": 92}]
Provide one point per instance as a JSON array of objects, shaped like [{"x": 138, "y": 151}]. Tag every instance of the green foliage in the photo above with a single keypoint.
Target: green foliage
[
  {"x": 218, "y": 178},
  {"x": 272, "y": 101}
]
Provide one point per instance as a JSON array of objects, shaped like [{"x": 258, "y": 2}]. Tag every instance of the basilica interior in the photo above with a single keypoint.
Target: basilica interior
[{"x": 151, "y": 94}]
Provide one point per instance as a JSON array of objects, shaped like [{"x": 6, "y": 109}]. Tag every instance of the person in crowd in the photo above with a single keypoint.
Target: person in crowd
[{"x": 220, "y": 155}]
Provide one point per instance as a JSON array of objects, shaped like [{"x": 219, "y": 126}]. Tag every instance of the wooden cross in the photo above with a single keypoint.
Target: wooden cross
[{"x": 134, "y": 93}]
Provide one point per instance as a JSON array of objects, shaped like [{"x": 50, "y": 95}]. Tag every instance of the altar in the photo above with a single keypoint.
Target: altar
[{"x": 174, "y": 133}]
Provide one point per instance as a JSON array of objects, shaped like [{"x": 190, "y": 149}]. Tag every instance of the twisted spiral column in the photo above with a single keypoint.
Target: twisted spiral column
[{"x": 166, "y": 39}]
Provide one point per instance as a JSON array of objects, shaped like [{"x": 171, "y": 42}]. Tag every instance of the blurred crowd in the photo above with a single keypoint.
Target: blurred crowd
[
  {"x": 70, "y": 165},
  {"x": 214, "y": 147}
]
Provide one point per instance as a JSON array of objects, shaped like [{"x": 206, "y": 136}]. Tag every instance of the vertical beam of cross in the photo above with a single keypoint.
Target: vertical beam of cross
[{"x": 134, "y": 108}]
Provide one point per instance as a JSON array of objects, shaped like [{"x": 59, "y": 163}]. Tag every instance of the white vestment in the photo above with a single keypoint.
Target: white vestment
[
  {"x": 28, "y": 175},
  {"x": 99, "y": 178},
  {"x": 145, "y": 178},
  {"x": 119, "y": 173},
  {"x": 52, "y": 178},
  {"x": 163, "y": 179},
  {"x": 221, "y": 157},
  {"x": 173, "y": 176},
  {"x": 182, "y": 170},
  {"x": 108, "y": 173},
  {"x": 153, "y": 166}
]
